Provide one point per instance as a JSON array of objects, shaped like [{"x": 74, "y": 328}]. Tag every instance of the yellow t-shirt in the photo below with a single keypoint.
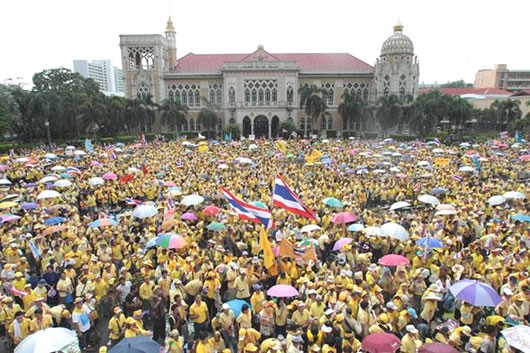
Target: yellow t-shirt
[{"x": 199, "y": 312}]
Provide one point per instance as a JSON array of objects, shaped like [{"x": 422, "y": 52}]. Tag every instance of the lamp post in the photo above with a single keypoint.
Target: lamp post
[{"x": 47, "y": 124}]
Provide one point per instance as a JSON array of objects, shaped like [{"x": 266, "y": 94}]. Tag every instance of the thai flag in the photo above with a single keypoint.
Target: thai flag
[
  {"x": 143, "y": 141},
  {"x": 113, "y": 155},
  {"x": 170, "y": 202},
  {"x": 132, "y": 202},
  {"x": 16, "y": 292},
  {"x": 248, "y": 211},
  {"x": 285, "y": 198},
  {"x": 458, "y": 178},
  {"x": 110, "y": 147},
  {"x": 293, "y": 134},
  {"x": 416, "y": 188},
  {"x": 73, "y": 170},
  {"x": 437, "y": 142}
]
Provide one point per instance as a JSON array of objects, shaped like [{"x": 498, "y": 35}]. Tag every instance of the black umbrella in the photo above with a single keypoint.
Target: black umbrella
[{"x": 138, "y": 344}]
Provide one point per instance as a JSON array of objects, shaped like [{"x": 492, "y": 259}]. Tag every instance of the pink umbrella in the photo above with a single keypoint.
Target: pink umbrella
[
  {"x": 3, "y": 167},
  {"x": 525, "y": 157},
  {"x": 393, "y": 260},
  {"x": 282, "y": 291},
  {"x": 437, "y": 348},
  {"x": 169, "y": 183},
  {"x": 95, "y": 164},
  {"x": 110, "y": 176},
  {"x": 381, "y": 343},
  {"x": 211, "y": 210},
  {"x": 341, "y": 242},
  {"x": 344, "y": 217},
  {"x": 189, "y": 216}
]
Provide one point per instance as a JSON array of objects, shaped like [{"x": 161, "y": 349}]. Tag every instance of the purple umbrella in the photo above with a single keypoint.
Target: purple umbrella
[
  {"x": 475, "y": 293},
  {"x": 282, "y": 291},
  {"x": 8, "y": 218},
  {"x": 3, "y": 167},
  {"x": 189, "y": 216},
  {"x": 29, "y": 206},
  {"x": 341, "y": 242}
]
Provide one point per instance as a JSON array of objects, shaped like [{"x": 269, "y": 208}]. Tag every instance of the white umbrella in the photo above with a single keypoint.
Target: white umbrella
[
  {"x": 514, "y": 195},
  {"x": 5, "y": 182},
  {"x": 253, "y": 147},
  {"x": 396, "y": 154},
  {"x": 438, "y": 150},
  {"x": 466, "y": 168},
  {"x": 518, "y": 337},
  {"x": 63, "y": 183},
  {"x": 144, "y": 211},
  {"x": 96, "y": 181},
  {"x": 496, "y": 200},
  {"x": 187, "y": 143},
  {"x": 429, "y": 199},
  {"x": 465, "y": 145},
  {"x": 79, "y": 153},
  {"x": 244, "y": 160},
  {"x": 22, "y": 159},
  {"x": 58, "y": 168},
  {"x": 222, "y": 166},
  {"x": 192, "y": 200},
  {"x": 48, "y": 194},
  {"x": 48, "y": 179},
  {"x": 49, "y": 340},
  {"x": 445, "y": 207},
  {"x": 379, "y": 171},
  {"x": 423, "y": 164},
  {"x": 133, "y": 170},
  {"x": 445, "y": 212},
  {"x": 50, "y": 156},
  {"x": 373, "y": 231},
  {"x": 309, "y": 228},
  {"x": 399, "y": 205},
  {"x": 395, "y": 170},
  {"x": 395, "y": 231}
]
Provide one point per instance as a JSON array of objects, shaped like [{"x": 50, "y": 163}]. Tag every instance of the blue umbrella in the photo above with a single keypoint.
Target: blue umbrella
[
  {"x": 236, "y": 305},
  {"x": 138, "y": 344},
  {"x": 521, "y": 217},
  {"x": 65, "y": 175},
  {"x": 438, "y": 191},
  {"x": 29, "y": 206},
  {"x": 54, "y": 220},
  {"x": 432, "y": 243},
  {"x": 120, "y": 144}
]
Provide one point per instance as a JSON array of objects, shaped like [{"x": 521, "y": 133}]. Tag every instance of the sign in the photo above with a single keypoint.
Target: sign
[{"x": 441, "y": 161}]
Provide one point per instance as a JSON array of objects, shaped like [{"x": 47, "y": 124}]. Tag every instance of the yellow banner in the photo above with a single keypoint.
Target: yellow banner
[{"x": 441, "y": 161}]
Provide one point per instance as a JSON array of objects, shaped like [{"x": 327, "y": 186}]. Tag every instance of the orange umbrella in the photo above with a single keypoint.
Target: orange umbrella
[
  {"x": 168, "y": 224},
  {"x": 53, "y": 229}
]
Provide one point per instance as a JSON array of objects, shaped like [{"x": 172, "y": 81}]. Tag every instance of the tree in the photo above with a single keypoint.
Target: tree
[
  {"x": 208, "y": 117},
  {"x": 173, "y": 114},
  {"x": 141, "y": 113},
  {"x": 506, "y": 111},
  {"x": 457, "y": 84},
  {"x": 459, "y": 112},
  {"x": 388, "y": 112},
  {"x": 287, "y": 127},
  {"x": 233, "y": 130},
  {"x": 7, "y": 109},
  {"x": 351, "y": 109},
  {"x": 27, "y": 108},
  {"x": 312, "y": 103}
]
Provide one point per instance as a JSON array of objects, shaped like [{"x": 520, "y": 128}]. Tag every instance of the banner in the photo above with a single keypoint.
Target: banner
[
  {"x": 288, "y": 249},
  {"x": 441, "y": 161}
]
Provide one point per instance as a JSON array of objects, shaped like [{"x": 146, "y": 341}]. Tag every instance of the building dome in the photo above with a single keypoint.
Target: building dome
[{"x": 397, "y": 43}]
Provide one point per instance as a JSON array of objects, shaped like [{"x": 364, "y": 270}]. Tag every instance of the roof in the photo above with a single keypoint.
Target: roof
[
  {"x": 522, "y": 93},
  {"x": 462, "y": 91},
  {"x": 309, "y": 62}
]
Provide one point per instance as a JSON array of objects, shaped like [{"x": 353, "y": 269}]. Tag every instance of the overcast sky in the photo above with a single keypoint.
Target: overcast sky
[{"x": 452, "y": 38}]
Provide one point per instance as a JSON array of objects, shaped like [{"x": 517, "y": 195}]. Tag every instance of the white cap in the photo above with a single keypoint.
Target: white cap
[
  {"x": 326, "y": 329},
  {"x": 507, "y": 291},
  {"x": 226, "y": 306},
  {"x": 411, "y": 329},
  {"x": 391, "y": 305},
  {"x": 328, "y": 312}
]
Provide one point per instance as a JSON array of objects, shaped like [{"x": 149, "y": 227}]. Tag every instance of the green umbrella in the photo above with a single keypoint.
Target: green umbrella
[
  {"x": 259, "y": 204},
  {"x": 216, "y": 226},
  {"x": 333, "y": 202},
  {"x": 290, "y": 155}
]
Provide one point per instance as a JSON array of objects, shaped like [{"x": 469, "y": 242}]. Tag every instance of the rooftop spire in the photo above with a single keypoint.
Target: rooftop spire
[
  {"x": 169, "y": 26},
  {"x": 398, "y": 27}
]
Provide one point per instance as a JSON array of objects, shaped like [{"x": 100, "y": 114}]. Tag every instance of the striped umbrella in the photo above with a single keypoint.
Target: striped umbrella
[{"x": 171, "y": 241}]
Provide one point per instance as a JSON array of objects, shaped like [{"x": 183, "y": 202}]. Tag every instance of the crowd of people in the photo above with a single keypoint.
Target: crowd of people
[{"x": 84, "y": 260}]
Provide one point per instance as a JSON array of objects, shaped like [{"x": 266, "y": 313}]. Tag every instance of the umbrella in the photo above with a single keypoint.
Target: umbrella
[
  {"x": 521, "y": 217},
  {"x": 445, "y": 213},
  {"x": 466, "y": 168},
  {"x": 96, "y": 181},
  {"x": 138, "y": 344},
  {"x": 3, "y": 167},
  {"x": 236, "y": 306},
  {"x": 192, "y": 200},
  {"x": 399, "y": 205},
  {"x": 62, "y": 183},
  {"x": 48, "y": 194},
  {"x": 282, "y": 291},
  {"x": 79, "y": 153},
  {"x": 28, "y": 206},
  {"x": 341, "y": 242},
  {"x": 428, "y": 199},
  {"x": 381, "y": 343},
  {"x": 171, "y": 241},
  {"x": 445, "y": 207},
  {"x": 211, "y": 210},
  {"x": 259, "y": 204},
  {"x": 10, "y": 197},
  {"x": 344, "y": 217},
  {"x": 309, "y": 228},
  {"x": 216, "y": 226},
  {"x": 373, "y": 231},
  {"x": 514, "y": 195},
  {"x": 168, "y": 224},
  {"x": 144, "y": 211},
  {"x": 518, "y": 337},
  {"x": 109, "y": 176},
  {"x": 438, "y": 191},
  {"x": 475, "y": 293},
  {"x": 7, "y": 204},
  {"x": 356, "y": 227},
  {"x": 437, "y": 348},
  {"x": 9, "y": 218},
  {"x": 244, "y": 160},
  {"x": 48, "y": 179},
  {"x": 465, "y": 145},
  {"x": 65, "y": 175},
  {"x": 5, "y": 182},
  {"x": 53, "y": 229},
  {"x": 393, "y": 260},
  {"x": 54, "y": 221},
  {"x": 333, "y": 202},
  {"x": 429, "y": 242},
  {"x": 189, "y": 216},
  {"x": 53, "y": 339},
  {"x": 496, "y": 200},
  {"x": 104, "y": 222},
  {"x": 395, "y": 231},
  {"x": 50, "y": 156}
]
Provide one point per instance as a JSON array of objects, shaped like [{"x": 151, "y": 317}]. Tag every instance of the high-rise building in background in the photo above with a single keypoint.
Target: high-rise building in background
[
  {"x": 501, "y": 77},
  {"x": 108, "y": 77}
]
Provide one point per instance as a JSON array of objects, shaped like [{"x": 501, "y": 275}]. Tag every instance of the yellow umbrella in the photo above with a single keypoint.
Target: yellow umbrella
[{"x": 7, "y": 204}]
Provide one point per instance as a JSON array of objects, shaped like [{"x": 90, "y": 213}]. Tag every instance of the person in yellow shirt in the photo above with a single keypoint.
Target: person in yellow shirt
[
  {"x": 408, "y": 342},
  {"x": 146, "y": 291},
  {"x": 174, "y": 343},
  {"x": 301, "y": 316},
  {"x": 100, "y": 287},
  {"x": 257, "y": 299},
  {"x": 20, "y": 328},
  {"x": 199, "y": 315},
  {"x": 203, "y": 344},
  {"x": 132, "y": 329},
  {"x": 317, "y": 308},
  {"x": 116, "y": 326},
  {"x": 20, "y": 281},
  {"x": 41, "y": 321}
]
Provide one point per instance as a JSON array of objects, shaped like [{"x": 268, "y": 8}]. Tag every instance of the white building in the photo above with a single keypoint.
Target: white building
[{"x": 108, "y": 77}]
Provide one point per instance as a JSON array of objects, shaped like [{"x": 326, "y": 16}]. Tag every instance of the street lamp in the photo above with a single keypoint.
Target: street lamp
[{"x": 47, "y": 124}]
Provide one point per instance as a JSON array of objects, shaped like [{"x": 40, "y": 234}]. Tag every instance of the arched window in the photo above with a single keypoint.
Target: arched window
[
  {"x": 232, "y": 95},
  {"x": 219, "y": 96},
  {"x": 197, "y": 98},
  {"x": 274, "y": 95},
  {"x": 191, "y": 124},
  {"x": 330, "y": 123},
  {"x": 177, "y": 96},
  {"x": 254, "y": 97},
  {"x": 323, "y": 123},
  {"x": 247, "y": 96},
  {"x": 268, "y": 96},
  {"x": 290, "y": 95},
  {"x": 212, "y": 96},
  {"x": 260, "y": 97},
  {"x": 184, "y": 98},
  {"x": 302, "y": 123},
  {"x": 185, "y": 125}
]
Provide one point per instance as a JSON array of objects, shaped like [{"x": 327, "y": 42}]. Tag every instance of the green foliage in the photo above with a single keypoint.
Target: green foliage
[
  {"x": 288, "y": 126},
  {"x": 388, "y": 112},
  {"x": 173, "y": 114},
  {"x": 506, "y": 113},
  {"x": 457, "y": 84},
  {"x": 331, "y": 134},
  {"x": 312, "y": 103},
  {"x": 234, "y": 130}
]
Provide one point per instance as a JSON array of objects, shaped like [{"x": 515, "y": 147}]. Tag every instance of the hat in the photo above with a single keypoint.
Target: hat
[
  {"x": 42, "y": 283},
  {"x": 329, "y": 312},
  {"x": 8, "y": 300},
  {"x": 315, "y": 348},
  {"x": 19, "y": 274},
  {"x": 412, "y": 313},
  {"x": 432, "y": 296},
  {"x": 226, "y": 306},
  {"x": 299, "y": 339},
  {"x": 242, "y": 334},
  {"x": 339, "y": 318},
  {"x": 391, "y": 306},
  {"x": 251, "y": 348},
  {"x": 411, "y": 329},
  {"x": 78, "y": 300},
  {"x": 326, "y": 328},
  {"x": 137, "y": 313},
  {"x": 318, "y": 297},
  {"x": 103, "y": 349},
  {"x": 507, "y": 291},
  {"x": 117, "y": 310},
  {"x": 300, "y": 304},
  {"x": 434, "y": 288},
  {"x": 372, "y": 267},
  {"x": 457, "y": 268},
  {"x": 66, "y": 314},
  {"x": 518, "y": 298},
  {"x": 311, "y": 291}
]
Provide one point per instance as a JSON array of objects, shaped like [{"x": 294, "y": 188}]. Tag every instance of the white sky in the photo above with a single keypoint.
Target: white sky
[{"x": 452, "y": 38}]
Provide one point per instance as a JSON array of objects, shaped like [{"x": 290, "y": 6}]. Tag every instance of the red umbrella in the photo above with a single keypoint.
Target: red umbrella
[
  {"x": 381, "y": 343},
  {"x": 437, "y": 348},
  {"x": 211, "y": 210},
  {"x": 393, "y": 260},
  {"x": 344, "y": 217}
]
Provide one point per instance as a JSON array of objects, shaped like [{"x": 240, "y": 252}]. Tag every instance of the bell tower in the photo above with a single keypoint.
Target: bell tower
[{"x": 172, "y": 44}]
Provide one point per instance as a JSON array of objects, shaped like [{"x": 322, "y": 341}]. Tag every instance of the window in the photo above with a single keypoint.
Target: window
[
  {"x": 192, "y": 126},
  {"x": 329, "y": 94},
  {"x": 188, "y": 95},
  {"x": 330, "y": 123},
  {"x": 265, "y": 91},
  {"x": 247, "y": 96},
  {"x": 260, "y": 97},
  {"x": 254, "y": 97},
  {"x": 290, "y": 95},
  {"x": 197, "y": 98},
  {"x": 274, "y": 95},
  {"x": 232, "y": 95},
  {"x": 141, "y": 58}
]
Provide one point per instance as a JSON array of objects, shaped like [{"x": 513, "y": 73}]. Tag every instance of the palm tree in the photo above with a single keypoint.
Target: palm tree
[
  {"x": 350, "y": 109},
  {"x": 208, "y": 117},
  {"x": 507, "y": 111},
  {"x": 173, "y": 114},
  {"x": 141, "y": 112},
  {"x": 312, "y": 103},
  {"x": 388, "y": 112}
]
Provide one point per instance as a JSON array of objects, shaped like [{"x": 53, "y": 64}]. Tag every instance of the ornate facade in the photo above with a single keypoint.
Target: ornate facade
[{"x": 260, "y": 90}]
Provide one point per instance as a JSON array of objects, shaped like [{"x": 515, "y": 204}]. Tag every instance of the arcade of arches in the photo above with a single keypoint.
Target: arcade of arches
[{"x": 261, "y": 126}]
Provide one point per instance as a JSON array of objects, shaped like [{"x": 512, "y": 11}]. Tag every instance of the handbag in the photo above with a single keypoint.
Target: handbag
[{"x": 69, "y": 299}]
